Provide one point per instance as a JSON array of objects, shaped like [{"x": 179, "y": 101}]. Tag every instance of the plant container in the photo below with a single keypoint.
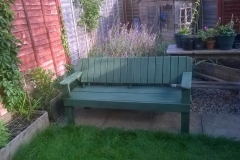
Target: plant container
[
  {"x": 38, "y": 125},
  {"x": 237, "y": 45},
  {"x": 198, "y": 44},
  {"x": 187, "y": 43},
  {"x": 178, "y": 40},
  {"x": 226, "y": 42},
  {"x": 210, "y": 44}
]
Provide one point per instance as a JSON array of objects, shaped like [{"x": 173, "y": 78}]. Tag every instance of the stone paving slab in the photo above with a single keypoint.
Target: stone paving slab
[
  {"x": 93, "y": 117},
  {"x": 218, "y": 125},
  {"x": 211, "y": 124},
  {"x": 129, "y": 119},
  {"x": 171, "y": 122}
]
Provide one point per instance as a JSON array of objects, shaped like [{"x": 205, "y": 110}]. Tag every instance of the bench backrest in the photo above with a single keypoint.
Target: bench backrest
[{"x": 134, "y": 70}]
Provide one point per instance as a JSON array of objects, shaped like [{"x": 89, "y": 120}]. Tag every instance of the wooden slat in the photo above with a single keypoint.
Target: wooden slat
[
  {"x": 159, "y": 70},
  {"x": 103, "y": 69},
  {"x": 166, "y": 69},
  {"x": 130, "y": 70},
  {"x": 97, "y": 67},
  {"x": 117, "y": 69},
  {"x": 186, "y": 80},
  {"x": 125, "y": 89},
  {"x": 144, "y": 70},
  {"x": 123, "y": 70},
  {"x": 182, "y": 67},
  {"x": 189, "y": 64},
  {"x": 79, "y": 65},
  {"x": 110, "y": 64},
  {"x": 137, "y": 71},
  {"x": 130, "y": 97},
  {"x": 151, "y": 70},
  {"x": 164, "y": 106},
  {"x": 174, "y": 70},
  {"x": 91, "y": 69},
  {"x": 85, "y": 70}
]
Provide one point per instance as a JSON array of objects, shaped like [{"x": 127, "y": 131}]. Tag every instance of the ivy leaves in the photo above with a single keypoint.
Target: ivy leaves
[
  {"x": 11, "y": 88},
  {"x": 91, "y": 14}
]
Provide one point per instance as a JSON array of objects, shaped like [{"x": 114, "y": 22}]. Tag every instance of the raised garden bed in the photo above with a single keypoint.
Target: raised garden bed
[{"x": 22, "y": 131}]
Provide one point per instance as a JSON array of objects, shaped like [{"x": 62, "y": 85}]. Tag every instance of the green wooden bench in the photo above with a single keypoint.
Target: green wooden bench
[{"x": 140, "y": 83}]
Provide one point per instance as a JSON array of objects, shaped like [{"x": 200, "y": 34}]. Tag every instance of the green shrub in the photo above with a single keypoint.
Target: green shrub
[
  {"x": 42, "y": 82},
  {"x": 122, "y": 42},
  {"x": 11, "y": 87},
  {"x": 4, "y": 134}
]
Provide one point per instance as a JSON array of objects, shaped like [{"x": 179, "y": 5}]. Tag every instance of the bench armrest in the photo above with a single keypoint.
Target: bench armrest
[
  {"x": 186, "y": 80},
  {"x": 67, "y": 81},
  {"x": 71, "y": 78}
]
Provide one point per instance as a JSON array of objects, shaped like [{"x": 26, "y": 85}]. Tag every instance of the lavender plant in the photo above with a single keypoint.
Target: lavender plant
[{"x": 124, "y": 42}]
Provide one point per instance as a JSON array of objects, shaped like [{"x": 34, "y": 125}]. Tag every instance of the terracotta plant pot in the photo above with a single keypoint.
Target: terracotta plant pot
[{"x": 210, "y": 44}]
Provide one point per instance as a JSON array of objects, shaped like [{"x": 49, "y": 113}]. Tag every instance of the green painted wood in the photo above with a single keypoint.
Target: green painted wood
[
  {"x": 70, "y": 116},
  {"x": 174, "y": 70},
  {"x": 110, "y": 65},
  {"x": 84, "y": 70},
  {"x": 168, "y": 107},
  {"x": 123, "y": 70},
  {"x": 186, "y": 80},
  {"x": 186, "y": 96},
  {"x": 182, "y": 67},
  {"x": 166, "y": 70},
  {"x": 97, "y": 71},
  {"x": 130, "y": 70},
  {"x": 151, "y": 70},
  {"x": 137, "y": 70},
  {"x": 116, "y": 70},
  {"x": 103, "y": 70},
  {"x": 189, "y": 64},
  {"x": 144, "y": 70},
  {"x": 75, "y": 76},
  {"x": 125, "y": 89},
  {"x": 127, "y": 97},
  {"x": 185, "y": 118},
  {"x": 79, "y": 65},
  {"x": 159, "y": 70},
  {"x": 91, "y": 70}
]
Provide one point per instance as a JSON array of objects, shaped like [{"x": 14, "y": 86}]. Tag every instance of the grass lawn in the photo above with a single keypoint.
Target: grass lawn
[{"x": 90, "y": 143}]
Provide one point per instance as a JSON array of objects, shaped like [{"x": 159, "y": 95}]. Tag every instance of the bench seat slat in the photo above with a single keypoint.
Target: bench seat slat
[
  {"x": 150, "y": 106},
  {"x": 126, "y": 89},
  {"x": 137, "y": 95}
]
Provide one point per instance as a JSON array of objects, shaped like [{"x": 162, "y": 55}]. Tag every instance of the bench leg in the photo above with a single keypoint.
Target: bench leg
[
  {"x": 185, "y": 117},
  {"x": 70, "y": 117}
]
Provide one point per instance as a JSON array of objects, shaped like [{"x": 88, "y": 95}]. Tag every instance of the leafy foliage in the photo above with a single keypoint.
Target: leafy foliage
[
  {"x": 11, "y": 88},
  {"x": 42, "y": 81},
  {"x": 211, "y": 33},
  {"x": 226, "y": 30},
  {"x": 202, "y": 34},
  {"x": 122, "y": 42},
  {"x": 64, "y": 34},
  {"x": 91, "y": 14},
  {"x": 4, "y": 134}
]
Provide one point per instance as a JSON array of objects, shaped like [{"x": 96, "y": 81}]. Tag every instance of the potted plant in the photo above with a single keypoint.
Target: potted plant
[
  {"x": 211, "y": 33},
  {"x": 237, "y": 39},
  {"x": 226, "y": 36},
  {"x": 188, "y": 42},
  {"x": 183, "y": 32},
  {"x": 200, "y": 39}
]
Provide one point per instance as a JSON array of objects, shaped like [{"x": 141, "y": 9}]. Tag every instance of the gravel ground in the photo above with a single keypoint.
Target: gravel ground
[{"x": 215, "y": 101}]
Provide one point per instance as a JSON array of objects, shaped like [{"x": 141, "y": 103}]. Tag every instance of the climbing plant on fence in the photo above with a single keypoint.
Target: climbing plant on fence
[
  {"x": 12, "y": 93},
  {"x": 91, "y": 13}
]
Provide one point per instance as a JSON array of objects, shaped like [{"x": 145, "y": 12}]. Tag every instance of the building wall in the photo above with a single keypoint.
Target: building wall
[{"x": 210, "y": 12}]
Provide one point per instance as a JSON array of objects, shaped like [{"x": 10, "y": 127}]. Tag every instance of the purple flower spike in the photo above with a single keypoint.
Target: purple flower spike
[
  {"x": 205, "y": 28},
  {"x": 219, "y": 18}
]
